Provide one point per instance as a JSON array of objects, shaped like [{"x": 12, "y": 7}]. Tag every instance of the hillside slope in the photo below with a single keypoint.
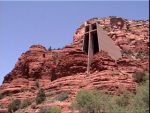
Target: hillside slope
[{"x": 64, "y": 70}]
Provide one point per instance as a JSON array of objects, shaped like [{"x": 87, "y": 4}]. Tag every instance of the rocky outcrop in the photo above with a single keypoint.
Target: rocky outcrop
[
  {"x": 64, "y": 70},
  {"x": 31, "y": 64}
]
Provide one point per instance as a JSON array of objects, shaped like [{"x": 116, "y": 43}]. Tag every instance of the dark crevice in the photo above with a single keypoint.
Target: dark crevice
[{"x": 94, "y": 37}]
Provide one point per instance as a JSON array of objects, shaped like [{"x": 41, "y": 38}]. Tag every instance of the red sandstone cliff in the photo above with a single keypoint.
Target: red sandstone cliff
[{"x": 65, "y": 69}]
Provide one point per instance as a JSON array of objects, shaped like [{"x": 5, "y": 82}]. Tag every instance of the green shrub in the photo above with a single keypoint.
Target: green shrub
[
  {"x": 127, "y": 52},
  {"x": 140, "y": 77},
  {"x": 1, "y": 106},
  {"x": 53, "y": 109},
  {"x": 62, "y": 96},
  {"x": 97, "y": 102},
  {"x": 140, "y": 102},
  {"x": 131, "y": 103},
  {"x": 44, "y": 110},
  {"x": 143, "y": 93},
  {"x": 90, "y": 101},
  {"x": 14, "y": 106},
  {"x": 142, "y": 54},
  {"x": 1, "y": 96},
  {"x": 25, "y": 103},
  {"x": 120, "y": 104},
  {"x": 40, "y": 96},
  {"x": 123, "y": 99},
  {"x": 50, "y": 48},
  {"x": 84, "y": 101}
]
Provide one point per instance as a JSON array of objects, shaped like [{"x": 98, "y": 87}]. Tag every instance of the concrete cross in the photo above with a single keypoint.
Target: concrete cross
[{"x": 95, "y": 40}]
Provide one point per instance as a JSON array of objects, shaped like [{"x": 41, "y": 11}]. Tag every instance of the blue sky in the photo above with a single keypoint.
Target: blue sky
[{"x": 52, "y": 23}]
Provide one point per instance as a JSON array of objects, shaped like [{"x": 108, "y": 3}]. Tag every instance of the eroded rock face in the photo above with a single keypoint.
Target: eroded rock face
[
  {"x": 33, "y": 64},
  {"x": 65, "y": 69}
]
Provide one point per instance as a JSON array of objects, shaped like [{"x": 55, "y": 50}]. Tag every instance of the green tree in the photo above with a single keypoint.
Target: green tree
[
  {"x": 25, "y": 103},
  {"x": 50, "y": 48},
  {"x": 140, "y": 102},
  {"x": 40, "y": 96},
  {"x": 14, "y": 106},
  {"x": 1, "y": 96},
  {"x": 140, "y": 77},
  {"x": 62, "y": 96},
  {"x": 53, "y": 109},
  {"x": 90, "y": 101}
]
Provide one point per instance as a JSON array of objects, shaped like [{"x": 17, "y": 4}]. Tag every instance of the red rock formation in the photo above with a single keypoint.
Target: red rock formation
[{"x": 65, "y": 69}]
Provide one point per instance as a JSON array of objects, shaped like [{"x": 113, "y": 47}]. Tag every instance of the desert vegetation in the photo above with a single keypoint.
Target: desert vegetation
[
  {"x": 53, "y": 109},
  {"x": 1, "y": 96},
  {"x": 18, "y": 104},
  {"x": 40, "y": 96},
  {"x": 140, "y": 77},
  {"x": 88, "y": 101},
  {"x": 14, "y": 106},
  {"x": 25, "y": 103},
  {"x": 62, "y": 96}
]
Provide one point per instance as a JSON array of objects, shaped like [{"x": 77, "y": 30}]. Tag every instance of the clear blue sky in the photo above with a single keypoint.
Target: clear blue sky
[{"x": 52, "y": 24}]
